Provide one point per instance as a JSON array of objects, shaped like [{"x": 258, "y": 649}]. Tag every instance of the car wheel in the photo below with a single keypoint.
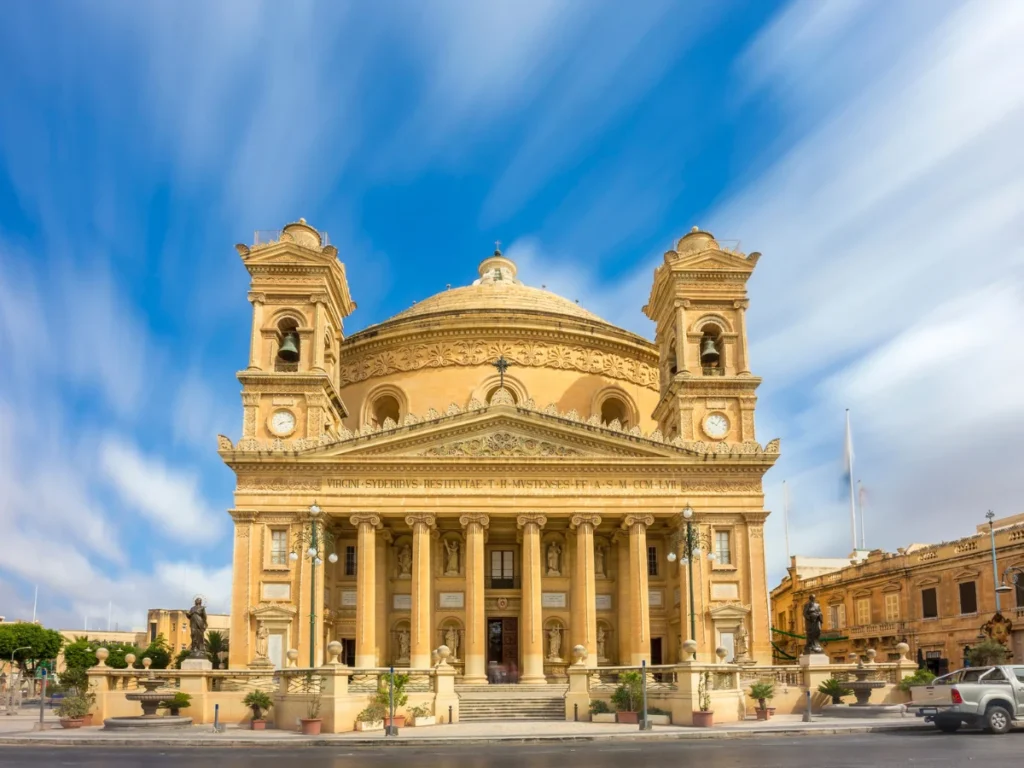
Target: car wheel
[
  {"x": 948, "y": 726},
  {"x": 997, "y": 719}
]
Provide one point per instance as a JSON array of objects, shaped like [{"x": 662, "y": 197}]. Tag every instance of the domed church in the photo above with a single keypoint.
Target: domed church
[{"x": 498, "y": 471}]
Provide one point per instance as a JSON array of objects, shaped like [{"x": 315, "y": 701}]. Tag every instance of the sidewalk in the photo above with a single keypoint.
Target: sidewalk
[{"x": 18, "y": 730}]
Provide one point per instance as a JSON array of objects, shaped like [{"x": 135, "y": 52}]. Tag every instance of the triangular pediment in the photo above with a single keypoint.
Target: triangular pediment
[
  {"x": 713, "y": 260},
  {"x": 288, "y": 255},
  {"x": 500, "y": 433}
]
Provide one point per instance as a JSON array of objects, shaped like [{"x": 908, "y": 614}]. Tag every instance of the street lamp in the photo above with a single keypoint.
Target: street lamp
[
  {"x": 690, "y": 543},
  {"x": 1017, "y": 572},
  {"x": 315, "y": 540},
  {"x": 990, "y": 516}
]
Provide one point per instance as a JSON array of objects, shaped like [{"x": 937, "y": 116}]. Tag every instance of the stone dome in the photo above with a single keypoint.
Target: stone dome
[{"x": 496, "y": 290}]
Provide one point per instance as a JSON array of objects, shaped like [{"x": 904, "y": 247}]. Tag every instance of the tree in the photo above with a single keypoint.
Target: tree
[
  {"x": 159, "y": 652},
  {"x": 987, "y": 653},
  {"x": 216, "y": 643},
  {"x": 183, "y": 654},
  {"x": 38, "y": 644}
]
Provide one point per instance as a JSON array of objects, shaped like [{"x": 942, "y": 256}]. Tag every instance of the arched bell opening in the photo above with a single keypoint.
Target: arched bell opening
[
  {"x": 712, "y": 351},
  {"x": 288, "y": 346}
]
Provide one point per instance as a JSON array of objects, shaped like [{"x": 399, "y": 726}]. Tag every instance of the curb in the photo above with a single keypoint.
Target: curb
[{"x": 206, "y": 741}]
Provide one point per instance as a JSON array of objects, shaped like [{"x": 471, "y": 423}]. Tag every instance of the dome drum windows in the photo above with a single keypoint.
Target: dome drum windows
[
  {"x": 385, "y": 407},
  {"x": 613, "y": 404}
]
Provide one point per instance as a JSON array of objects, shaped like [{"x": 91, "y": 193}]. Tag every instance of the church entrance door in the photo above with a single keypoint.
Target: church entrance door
[{"x": 503, "y": 650}]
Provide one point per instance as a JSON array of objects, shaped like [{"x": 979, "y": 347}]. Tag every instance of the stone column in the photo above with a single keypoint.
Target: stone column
[
  {"x": 681, "y": 361},
  {"x": 584, "y": 597},
  {"x": 743, "y": 364},
  {"x": 421, "y": 614},
  {"x": 256, "y": 343},
  {"x": 532, "y": 644},
  {"x": 384, "y": 656},
  {"x": 759, "y": 645},
  {"x": 623, "y": 593},
  {"x": 639, "y": 612},
  {"x": 241, "y": 651},
  {"x": 475, "y": 653},
  {"x": 319, "y": 326},
  {"x": 366, "y": 589}
]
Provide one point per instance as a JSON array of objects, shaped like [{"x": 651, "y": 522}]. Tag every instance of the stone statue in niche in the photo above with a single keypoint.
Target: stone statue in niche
[
  {"x": 740, "y": 652},
  {"x": 554, "y": 643},
  {"x": 262, "y": 639},
  {"x": 554, "y": 559},
  {"x": 599, "y": 561},
  {"x": 405, "y": 560},
  {"x": 602, "y": 638},
  {"x": 403, "y": 644},
  {"x": 451, "y": 548},
  {"x": 451, "y": 639}
]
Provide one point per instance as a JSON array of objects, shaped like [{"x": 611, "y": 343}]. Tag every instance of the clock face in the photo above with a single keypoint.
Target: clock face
[
  {"x": 716, "y": 425},
  {"x": 282, "y": 422}
]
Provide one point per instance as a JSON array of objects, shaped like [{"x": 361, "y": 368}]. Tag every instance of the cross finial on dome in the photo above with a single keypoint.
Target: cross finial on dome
[
  {"x": 502, "y": 365},
  {"x": 497, "y": 247}
]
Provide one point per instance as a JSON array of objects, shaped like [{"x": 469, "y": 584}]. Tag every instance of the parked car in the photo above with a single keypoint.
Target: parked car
[{"x": 978, "y": 697}]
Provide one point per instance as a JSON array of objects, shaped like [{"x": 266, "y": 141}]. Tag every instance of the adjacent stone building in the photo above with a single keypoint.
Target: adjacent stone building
[
  {"x": 939, "y": 598},
  {"x": 495, "y": 469}
]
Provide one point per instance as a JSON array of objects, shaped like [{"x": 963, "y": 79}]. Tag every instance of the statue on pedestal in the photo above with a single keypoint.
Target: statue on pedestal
[
  {"x": 452, "y": 560},
  {"x": 554, "y": 554},
  {"x": 601, "y": 639},
  {"x": 554, "y": 643},
  {"x": 812, "y": 626},
  {"x": 403, "y": 644},
  {"x": 262, "y": 637},
  {"x": 599, "y": 561},
  {"x": 197, "y": 626},
  {"x": 451, "y": 639},
  {"x": 405, "y": 560}
]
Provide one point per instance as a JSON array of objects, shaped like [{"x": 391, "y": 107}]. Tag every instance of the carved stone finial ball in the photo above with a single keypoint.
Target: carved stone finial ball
[
  {"x": 293, "y": 656},
  {"x": 102, "y": 654},
  {"x": 902, "y": 649},
  {"x": 721, "y": 652},
  {"x": 871, "y": 653},
  {"x": 147, "y": 662},
  {"x": 579, "y": 653},
  {"x": 689, "y": 648},
  {"x": 443, "y": 652},
  {"x": 333, "y": 652},
  {"x": 129, "y": 659}
]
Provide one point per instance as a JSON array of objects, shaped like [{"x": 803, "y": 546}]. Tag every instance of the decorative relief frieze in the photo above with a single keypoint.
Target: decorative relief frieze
[
  {"x": 500, "y": 445},
  {"x": 524, "y": 353},
  {"x": 288, "y": 483}
]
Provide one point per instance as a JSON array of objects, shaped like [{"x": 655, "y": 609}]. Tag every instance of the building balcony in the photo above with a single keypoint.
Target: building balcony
[{"x": 880, "y": 630}]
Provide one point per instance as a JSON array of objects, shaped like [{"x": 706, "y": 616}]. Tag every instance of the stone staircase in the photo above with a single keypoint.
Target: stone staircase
[{"x": 511, "y": 702}]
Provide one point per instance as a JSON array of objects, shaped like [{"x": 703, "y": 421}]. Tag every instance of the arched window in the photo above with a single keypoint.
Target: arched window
[
  {"x": 614, "y": 408},
  {"x": 386, "y": 407},
  {"x": 288, "y": 346},
  {"x": 712, "y": 351}
]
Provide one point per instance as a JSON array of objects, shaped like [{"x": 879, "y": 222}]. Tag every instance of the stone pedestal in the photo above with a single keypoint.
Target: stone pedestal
[
  {"x": 578, "y": 695},
  {"x": 813, "y": 660},
  {"x": 196, "y": 663}
]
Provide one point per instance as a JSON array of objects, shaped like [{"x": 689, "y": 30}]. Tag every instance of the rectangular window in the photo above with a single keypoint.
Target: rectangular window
[
  {"x": 892, "y": 606},
  {"x": 350, "y": 561},
  {"x": 864, "y": 611},
  {"x": 929, "y": 603},
  {"x": 279, "y": 547},
  {"x": 652, "y": 561},
  {"x": 723, "y": 553},
  {"x": 837, "y": 616},
  {"x": 1019, "y": 591},
  {"x": 503, "y": 569},
  {"x": 968, "y": 597}
]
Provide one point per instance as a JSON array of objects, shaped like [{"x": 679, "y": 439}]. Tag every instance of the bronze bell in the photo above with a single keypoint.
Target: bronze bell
[
  {"x": 708, "y": 351},
  {"x": 289, "y": 351}
]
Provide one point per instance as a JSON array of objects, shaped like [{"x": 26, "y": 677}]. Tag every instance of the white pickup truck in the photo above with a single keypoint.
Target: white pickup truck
[{"x": 977, "y": 697}]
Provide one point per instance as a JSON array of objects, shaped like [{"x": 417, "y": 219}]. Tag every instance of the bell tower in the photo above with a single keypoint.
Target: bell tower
[
  {"x": 300, "y": 298},
  {"x": 698, "y": 303}
]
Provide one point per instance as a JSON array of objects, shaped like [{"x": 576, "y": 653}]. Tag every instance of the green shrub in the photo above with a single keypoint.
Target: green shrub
[
  {"x": 988, "y": 653},
  {"x": 628, "y": 695},
  {"x": 599, "y": 707},
  {"x": 834, "y": 688},
  {"x": 384, "y": 690},
  {"x": 920, "y": 677},
  {"x": 420, "y": 710},
  {"x": 657, "y": 711},
  {"x": 73, "y": 706},
  {"x": 259, "y": 702},
  {"x": 372, "y": 714},
  {"x": 178, "y": 701},
  {"x": 762, "y": 691}
]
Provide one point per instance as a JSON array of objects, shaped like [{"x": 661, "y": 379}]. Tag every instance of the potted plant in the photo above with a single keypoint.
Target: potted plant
[
  {"x": 421, "y": 715},
  {"x": 72, "y": 711},
  {"x": 371, "y": 718},
  {"x": 259, "y": 702},
  {"x": 600, "y": 712},
  {"x": 835, "y": 688},
  {"x": 704, "y": 717},
  {"x": 312, "y": 686},
  {"x": 401, "y": 697},
  {"x": 627, "y": 696},
  {"x": 659, "y": 716},
  {"x": 920, "y": 679},
  {"x": 762, "y": 692},
  {"x": 177, "y": 703}
]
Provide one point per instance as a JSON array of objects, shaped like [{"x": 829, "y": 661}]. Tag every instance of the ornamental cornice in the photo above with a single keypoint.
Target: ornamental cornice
[
  {"x": 537, "y": 349},
  {"x": 243, "y": 515}
]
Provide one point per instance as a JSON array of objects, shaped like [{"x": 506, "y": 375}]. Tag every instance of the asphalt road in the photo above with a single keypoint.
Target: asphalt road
[{"x": 872, "y": 749}]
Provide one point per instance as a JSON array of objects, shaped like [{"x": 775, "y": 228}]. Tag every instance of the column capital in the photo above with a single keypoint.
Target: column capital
[
  {"x": 242, "y": 515},
  {"x": 426, "y": 520},
  {"x": 527, "y": 520},
  {"x": 367, "y": 519},
  {"x": 318, "y": 298},
  {"x": 644, "y": 521},
  {"x": 257, "y": 296},
  {"x": 743, "y": 304},
  {"x": 474, "y": 519},
  {"x": 578, "y": 521}
]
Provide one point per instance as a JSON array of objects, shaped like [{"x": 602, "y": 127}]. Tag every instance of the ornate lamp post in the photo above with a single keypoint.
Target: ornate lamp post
[
  {"x": 316, "y": 541},
  {"x": 1017, "y": 572},
  {"x": 690, "y": 543}
]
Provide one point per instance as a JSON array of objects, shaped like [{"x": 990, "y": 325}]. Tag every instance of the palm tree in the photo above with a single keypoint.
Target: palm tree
[{"x": 216, "y": 643}]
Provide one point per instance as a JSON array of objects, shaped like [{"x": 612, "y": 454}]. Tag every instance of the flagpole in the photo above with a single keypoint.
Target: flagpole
[
  {"x": 849, "y": 468},
  {"x": 860, "y": 500},
  {"x": 785, "y": 518},
  {"x": 35, "y": 602}
]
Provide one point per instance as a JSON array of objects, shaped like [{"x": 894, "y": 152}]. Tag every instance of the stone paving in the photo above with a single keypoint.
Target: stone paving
[{"x": 19, "y": 730}]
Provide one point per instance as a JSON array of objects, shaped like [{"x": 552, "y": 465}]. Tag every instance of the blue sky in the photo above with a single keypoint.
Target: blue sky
[{"x": 869, "y": 150}]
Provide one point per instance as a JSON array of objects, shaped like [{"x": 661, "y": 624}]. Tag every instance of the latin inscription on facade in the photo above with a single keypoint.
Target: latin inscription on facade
[
  {"x": 552, "y": 600},
  {"x": 572, "y": 485},
  {"x": 348, "y": 598},
  {"x": 603, "y": 602},
  {"x": 654, "y": 598},
  {"x": 402, "y": 602},
  {"x": 277, "y": 591},
  {"x": 451, "y": 599}
]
